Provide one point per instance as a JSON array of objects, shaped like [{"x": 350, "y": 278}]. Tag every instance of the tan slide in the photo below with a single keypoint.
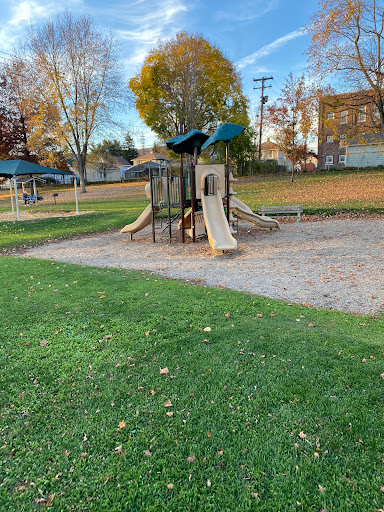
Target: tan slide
[
  {"x": 218, "y": 230},
  {"x": 243, "y": 211},
  {"x": 140, "y": 223}
]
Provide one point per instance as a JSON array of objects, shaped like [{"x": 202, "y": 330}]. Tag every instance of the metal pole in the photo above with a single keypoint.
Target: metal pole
[
  {"x": 76, "y": 196},
  {"x": 169, "y": 207},
  {"x": 17, "y": 200},
  {"x": 193, "y": 196},
  {"x": 152, "y": 192},
  {"x": 35, "y": 191},
  {"x": 227, "y": 176},
  {"x": 11, "y": 192},
  {"x": 182, "y": 199}
]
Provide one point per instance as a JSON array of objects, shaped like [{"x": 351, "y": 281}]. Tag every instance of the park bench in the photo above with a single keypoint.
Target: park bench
[{"x": 282, "y": 211}]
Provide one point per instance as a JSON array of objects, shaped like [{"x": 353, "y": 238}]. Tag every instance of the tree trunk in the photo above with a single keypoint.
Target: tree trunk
[{"x": 81, "y": 169}]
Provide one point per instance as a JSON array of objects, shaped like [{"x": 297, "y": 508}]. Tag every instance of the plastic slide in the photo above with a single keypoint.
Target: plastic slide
[
  {"x": 140, "y": 223},
  {"x": 219, "y": 233},
  {"x": 243, "y": 211}
]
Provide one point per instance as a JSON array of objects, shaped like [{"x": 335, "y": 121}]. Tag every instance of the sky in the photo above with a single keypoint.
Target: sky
[{"x": 263, "y": 38}]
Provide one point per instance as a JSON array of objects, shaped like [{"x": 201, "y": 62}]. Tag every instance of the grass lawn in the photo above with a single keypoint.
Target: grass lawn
[{"x": 123, "y": 391}]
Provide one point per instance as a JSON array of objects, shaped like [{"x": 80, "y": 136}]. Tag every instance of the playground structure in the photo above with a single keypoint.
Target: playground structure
[{"x": 202, "y": 195}]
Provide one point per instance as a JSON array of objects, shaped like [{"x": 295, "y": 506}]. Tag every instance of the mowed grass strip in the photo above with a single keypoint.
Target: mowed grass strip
[
  {"x": 125, "y": 391},
  {"x": 322, "y": 192}
]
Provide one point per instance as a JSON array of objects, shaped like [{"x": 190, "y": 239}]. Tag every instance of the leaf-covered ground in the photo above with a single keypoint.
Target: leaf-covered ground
[{"x": 123, "y": 391}]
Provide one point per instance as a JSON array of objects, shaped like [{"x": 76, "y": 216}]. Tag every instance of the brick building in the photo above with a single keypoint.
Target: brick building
[{"x": 345, "y": 120}]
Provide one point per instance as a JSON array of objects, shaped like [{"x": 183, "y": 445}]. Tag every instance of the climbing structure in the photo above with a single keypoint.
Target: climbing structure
[{"x": 205, "y": 191}]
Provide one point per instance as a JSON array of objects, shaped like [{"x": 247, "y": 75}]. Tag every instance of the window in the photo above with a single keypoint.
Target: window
[
  {"x": 342, "y": 159},
  {"x": 376, "y": 114},
  {"x": 343, "y": 138},
  {"x": 329, "y": 159},
  {"x": 344, "y": 117},
  {"x": 329, "y": 138},
  {"x": 331, "y": 115},
  {"x": 362, "y": 117}
]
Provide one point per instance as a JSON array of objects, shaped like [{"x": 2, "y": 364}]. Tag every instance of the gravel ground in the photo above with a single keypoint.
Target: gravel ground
[{"x": 332, "y": 263}]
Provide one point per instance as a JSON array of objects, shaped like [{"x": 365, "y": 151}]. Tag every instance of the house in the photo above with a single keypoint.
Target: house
[
  {"x": 345, "y": 121},
  {"x": 113, "y": 172},
  {"x": 147, "y": 157},
  {"x": 271, "y": 151}
]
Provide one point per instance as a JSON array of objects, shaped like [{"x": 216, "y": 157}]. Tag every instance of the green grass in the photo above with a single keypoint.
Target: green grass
[{"x": 277, "y": 407}]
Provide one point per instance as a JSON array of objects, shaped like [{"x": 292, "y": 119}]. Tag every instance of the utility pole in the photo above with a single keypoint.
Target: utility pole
[{"x": 263, "y": 99}]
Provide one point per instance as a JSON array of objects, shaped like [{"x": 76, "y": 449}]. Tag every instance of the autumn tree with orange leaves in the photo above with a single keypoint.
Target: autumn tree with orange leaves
[
  {"x": 292, "y": 117},
  {"x": 347, "y": 41},
  {"x": 187, "y": 83}
]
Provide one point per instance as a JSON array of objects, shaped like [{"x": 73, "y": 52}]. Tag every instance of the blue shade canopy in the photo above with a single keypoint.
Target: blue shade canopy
[
  {"x": 12, "y": 168},
  {"x": 190, "y": 141},
  {"x": 224, "y": 133},
  {"x": 175, "y": 140}
]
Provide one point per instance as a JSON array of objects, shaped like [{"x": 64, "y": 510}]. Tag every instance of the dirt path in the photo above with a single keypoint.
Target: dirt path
[{"x": 331, "y": 263}]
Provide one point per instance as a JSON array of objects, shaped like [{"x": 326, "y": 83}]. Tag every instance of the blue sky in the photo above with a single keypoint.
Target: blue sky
[{"x": 262, "y": 37}]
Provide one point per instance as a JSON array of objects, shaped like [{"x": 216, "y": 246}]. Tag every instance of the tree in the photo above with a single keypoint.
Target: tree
[
  {"x": 78, "y": 71},
  {"x": 26, "y": 119},
  {"x": 293, "y": 118},
  {"x": 101, "y": 157},
  {"x": 347, "y": 40},
  {"x": 186, "y": 83}
]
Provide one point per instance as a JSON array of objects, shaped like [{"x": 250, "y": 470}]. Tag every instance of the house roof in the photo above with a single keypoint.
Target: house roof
[
  {"x": 269, "y": 145},
  {"x": 149, "y": 156},
  {"x": 121, "y": 160},
  {"x": 366, "y": 139}
]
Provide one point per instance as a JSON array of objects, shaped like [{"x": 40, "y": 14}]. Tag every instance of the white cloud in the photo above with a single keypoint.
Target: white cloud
[
  {"x": 147, "y": 21},
  {"x": 247, "y": 10},
  {"x": 271, "y": 47},
  {"x": 25, "y": 12}
]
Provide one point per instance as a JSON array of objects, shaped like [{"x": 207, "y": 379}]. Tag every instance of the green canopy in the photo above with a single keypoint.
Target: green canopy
[
  {"x": 175, "y": 140},
  {"x": 13, "y": 168},
  {"x": 190, "y": 141},
  {"x": 224, "y": 133}
]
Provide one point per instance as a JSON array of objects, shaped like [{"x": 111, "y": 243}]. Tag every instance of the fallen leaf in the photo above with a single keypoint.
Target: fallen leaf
[
  {"x": 147, "y": 333},
  {"x": 227, "y": 315},
  {"x": 255, "y": 494},
  {"x": 147, "y": 453},
  {"x": 164, "y": 371},
  {"x": 311, "y": 325},
  {"x": 122, "y": 424},
  {"x": 102, "y": 296},
  {"x": 191, "y": 458},
  {"x": 207, "y": 329},
  {"x": 167, "y": 403},
  {"x": 209, "y": 483},
  {"x": 209, "y": 434},
  {"x": 321, "y": 488},
  {"x": 44, "y": 343},
  {"x": 169, "y": 486},
  {"x": 169, "y": 413},
  {"x": 302, "y": 435},
  {"x": 220, "y": 452}
]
